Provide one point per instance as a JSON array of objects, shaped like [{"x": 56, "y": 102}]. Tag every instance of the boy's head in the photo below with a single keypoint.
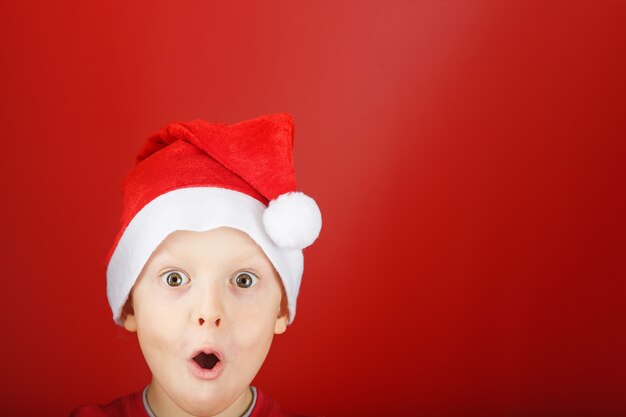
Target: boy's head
[
  {"x": 205, "y": 309},
  {"x": 210, "y": 245}
]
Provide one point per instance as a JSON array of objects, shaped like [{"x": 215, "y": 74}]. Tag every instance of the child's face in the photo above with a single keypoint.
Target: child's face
[{"x": 213, "y": 292}]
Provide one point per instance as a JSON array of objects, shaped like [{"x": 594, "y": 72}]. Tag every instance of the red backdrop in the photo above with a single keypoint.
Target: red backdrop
[{"x": 469, "y": 159}]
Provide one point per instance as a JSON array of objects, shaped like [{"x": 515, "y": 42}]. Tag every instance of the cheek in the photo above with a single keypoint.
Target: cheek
[
  {"x": 253, "y": 328},
  {"x": 158, "y": 328},
  {"x": 252, "y": 309},
  {"x": 251, "y": 347}
]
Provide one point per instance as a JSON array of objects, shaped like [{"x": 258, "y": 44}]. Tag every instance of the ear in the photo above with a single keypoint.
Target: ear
[
  {"x": 130, "y": 323},
  {"x": 283, "y": 316},
  {"x": 281, "y": 324},
  {"x": 128, "y": 316}
]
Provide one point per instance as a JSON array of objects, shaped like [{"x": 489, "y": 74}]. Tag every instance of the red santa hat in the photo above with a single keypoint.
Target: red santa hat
[{"x": 199, "y": 176}]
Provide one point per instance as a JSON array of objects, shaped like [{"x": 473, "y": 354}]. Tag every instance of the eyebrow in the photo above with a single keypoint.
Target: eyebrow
[
  {"x": 162, "y": 251},
  {"x": 250, "y": 256},
  {"x": 247, "y": 257}
]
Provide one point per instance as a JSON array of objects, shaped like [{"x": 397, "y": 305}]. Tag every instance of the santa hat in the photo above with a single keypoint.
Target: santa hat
[{"x": 199, "y": 176}]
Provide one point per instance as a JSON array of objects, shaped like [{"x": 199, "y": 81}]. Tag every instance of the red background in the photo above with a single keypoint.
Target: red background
[{"x": 469, "y": 159}]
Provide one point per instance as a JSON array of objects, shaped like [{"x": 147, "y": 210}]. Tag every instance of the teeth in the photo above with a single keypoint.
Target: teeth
[{"x": 206, "y": 361}]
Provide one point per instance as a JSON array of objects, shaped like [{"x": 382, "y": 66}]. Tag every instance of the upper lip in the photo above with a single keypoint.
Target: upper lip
[{"x": 207, "y": 350}]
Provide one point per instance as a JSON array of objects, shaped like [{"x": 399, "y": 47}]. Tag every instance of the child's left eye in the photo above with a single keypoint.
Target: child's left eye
[{"x": 244, "y": 279}]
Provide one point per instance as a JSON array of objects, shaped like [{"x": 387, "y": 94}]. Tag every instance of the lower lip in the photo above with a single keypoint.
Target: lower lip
[{"x": 206, "y": 374}]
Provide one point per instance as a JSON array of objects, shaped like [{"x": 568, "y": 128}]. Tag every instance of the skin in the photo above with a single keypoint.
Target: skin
[{"x": 206, "y": 306}]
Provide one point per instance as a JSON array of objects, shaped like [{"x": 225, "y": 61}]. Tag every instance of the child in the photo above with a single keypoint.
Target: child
[{"x": 207, "y": 265}]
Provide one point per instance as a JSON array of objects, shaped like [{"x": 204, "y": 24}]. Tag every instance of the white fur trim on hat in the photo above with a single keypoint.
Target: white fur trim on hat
[
  {"x": 293, "y": 220},
  {"x": 195, "y": 209}
]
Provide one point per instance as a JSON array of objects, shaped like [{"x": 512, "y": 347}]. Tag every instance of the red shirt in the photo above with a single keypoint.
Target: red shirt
[{"x": 132, "y": 406}]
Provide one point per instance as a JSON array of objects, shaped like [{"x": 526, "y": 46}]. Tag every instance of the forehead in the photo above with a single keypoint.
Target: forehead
[{"x": 223, "y": 240}]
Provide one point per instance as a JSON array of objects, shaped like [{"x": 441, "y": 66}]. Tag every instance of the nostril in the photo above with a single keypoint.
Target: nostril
[{"x": 217, "y": 322}]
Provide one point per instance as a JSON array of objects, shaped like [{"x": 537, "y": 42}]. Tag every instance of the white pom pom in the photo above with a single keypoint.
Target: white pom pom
[{"x": 293, "y": 220}]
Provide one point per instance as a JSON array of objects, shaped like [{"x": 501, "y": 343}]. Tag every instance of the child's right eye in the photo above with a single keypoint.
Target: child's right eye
[{"x": 174, "y": 279}]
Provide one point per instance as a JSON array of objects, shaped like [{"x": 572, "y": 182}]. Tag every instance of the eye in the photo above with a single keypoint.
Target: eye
[
  {"x": 244, "y": 279},
  {"x": 174, "y": 279}
]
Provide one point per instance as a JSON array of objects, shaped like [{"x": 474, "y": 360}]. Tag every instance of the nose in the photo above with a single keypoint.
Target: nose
[{"x": 209, "y": 312}]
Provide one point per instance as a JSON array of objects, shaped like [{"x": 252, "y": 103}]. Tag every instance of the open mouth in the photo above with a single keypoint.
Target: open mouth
[{"x": 206, "y": 360}]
